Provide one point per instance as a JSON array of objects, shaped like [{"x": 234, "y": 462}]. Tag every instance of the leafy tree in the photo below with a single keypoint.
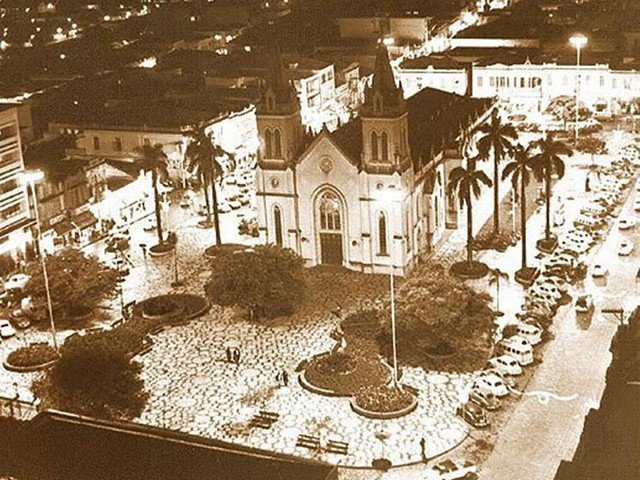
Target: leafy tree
[
  {"x": 563, "y": 108},
  {"x": 151, "y": 158},
  {"x": 467, "y": 182},
  {"x": 93, "y": 378},
  {"x": 203, "y": 157},
  {"x": 7, "y": 265},
  {"x": 496, "y": 142},
  {"x": 76, "y": 282},
  {"x": 520, "y": 170},
  {"x": 268, "y": 281},
  {"x": 547, "y": 162}
]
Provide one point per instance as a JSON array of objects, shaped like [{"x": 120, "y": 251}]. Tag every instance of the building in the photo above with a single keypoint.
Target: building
[
  {"x": 15, "y": 221},
  {"x": 371, "y": 195},
  {"x": 408, "y": 28}
]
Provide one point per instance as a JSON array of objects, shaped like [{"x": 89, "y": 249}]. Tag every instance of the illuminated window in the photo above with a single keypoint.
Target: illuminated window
[
  {"x": 382, "y": 234},
  {"x": 277, "y": 225}
]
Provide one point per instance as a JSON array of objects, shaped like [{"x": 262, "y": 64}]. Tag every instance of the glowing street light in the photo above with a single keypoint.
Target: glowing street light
[
  {"x": 388, "y": 197},
  {"x": 30, "y": 178},
  {"x": 578, "y": 41}
]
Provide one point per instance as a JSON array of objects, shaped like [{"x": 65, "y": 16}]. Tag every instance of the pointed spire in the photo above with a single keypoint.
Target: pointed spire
[
  {"x": 278, "y": 96},
  {"x": 383, "y": 78},
  {"x": 384, "y": 97}
]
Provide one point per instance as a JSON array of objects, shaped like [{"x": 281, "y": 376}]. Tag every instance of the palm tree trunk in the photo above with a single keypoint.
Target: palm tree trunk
[
  {"x": 205, "y": 190},
  {"x": 523, "y": 221},
  {"x": 156, "y": 198},
  {"x": 547, "y": 181},
  {"x": 496, "y": 194},
  {"x": 469, "y": 229},
  {"x": 216, "y": 216}
]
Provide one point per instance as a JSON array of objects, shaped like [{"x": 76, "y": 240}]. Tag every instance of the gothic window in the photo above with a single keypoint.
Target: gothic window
[
  {"x": 268, "y": 143},
  {"x": 330, "y": 212},
  {"x": 277, "y": 144},
  {"x": 277, "y": 225},
  {"x": 374, "y": 145},
  {"x": 382, "y": 234},
  {"x": 385, "y": 146}
]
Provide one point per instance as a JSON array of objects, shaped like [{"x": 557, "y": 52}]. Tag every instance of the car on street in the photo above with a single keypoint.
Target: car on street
[
  {"x": 584, "y": 303},
  {"x": 235, "y": 204},
  {"x": 453, "y": 470},
  {"x": 6, "y": 329},
  {"x": 625, "y": 248},
  {"x": 491, "y": 383},
  {"x": 473, "y": 414},
  {"x": 486, "y": 400},
  {"x": 223, "y": 207},
  {"x": 598, "y": 270},
  {"x": 185, "y": 201},
  {"x": 626, "y": 223},
  {"x": 149, "y": 224},
  {"x": 20, "y": 319},
  {"x": 560, "y": 284},
  {"x": 506, "y": 364},
  {"x": 546, "y": 288},
  {"x": 16, "y": 281}
]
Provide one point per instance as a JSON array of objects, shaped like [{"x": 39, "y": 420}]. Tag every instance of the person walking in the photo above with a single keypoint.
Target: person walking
[
  {"x": 285, "y": 378},
  {"x": 228, "y": 352},
  {"x": 423, "y": 449}
]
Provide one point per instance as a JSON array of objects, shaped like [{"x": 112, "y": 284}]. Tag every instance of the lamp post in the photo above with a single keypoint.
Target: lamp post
[
  {"x": 578, "y": 41},
  {"x": 30, "y": 178},
  {"x": 388, "y": 197}
]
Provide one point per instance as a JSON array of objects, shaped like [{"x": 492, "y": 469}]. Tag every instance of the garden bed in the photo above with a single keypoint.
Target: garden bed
[
  {"x": 216, "y": 251},
  {"x": 383, "y": 402},
  {"x": 474, "y": 271},
  {"x": 188, "y": 306},
  {"x": 161, "y": 249},
  {"x": 31, "y": 358},
  {"x": 79, "y": 313}
]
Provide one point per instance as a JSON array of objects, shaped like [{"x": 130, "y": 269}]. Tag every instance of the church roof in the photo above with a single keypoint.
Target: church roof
[{"x": 435, "y": 119}]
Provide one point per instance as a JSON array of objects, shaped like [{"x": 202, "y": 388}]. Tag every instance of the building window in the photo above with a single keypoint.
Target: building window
[
  {"x": 492, "y": 81},
  {"x": 267, "y": 143},
  {"x": 602, "y": 80},
  {"x": 382, "y": 234},
  {"x": 117, "y": 144},
  {"x": 374, "y": 145},
  {"x": 385, "y": 145},
  {"x": 277, "y": 144},
  {"x": 330, "y": 212},
  {"x": 96, "y": 143},
  {"x": 277, "y": 225},
  {"x": 409, "y": 227},
  {"x": 479, "y": 81}
]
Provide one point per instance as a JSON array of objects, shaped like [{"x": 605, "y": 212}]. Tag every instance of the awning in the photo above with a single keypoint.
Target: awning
[
  {"x": 63, "y": 227},
  {"x": 84, "y": 220}
]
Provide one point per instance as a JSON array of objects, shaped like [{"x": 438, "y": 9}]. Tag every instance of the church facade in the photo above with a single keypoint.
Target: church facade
[{"x": 370, "y": 196}]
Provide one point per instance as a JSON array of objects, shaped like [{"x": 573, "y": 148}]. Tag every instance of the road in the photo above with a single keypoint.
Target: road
[{"x": 538, "y": 435}]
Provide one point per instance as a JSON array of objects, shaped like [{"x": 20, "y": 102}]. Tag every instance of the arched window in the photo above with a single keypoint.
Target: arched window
[
  {"x": 382, "y": 234},
  {"x": 330, "y": 212},
  {"x": 277, "y": 144},
  {"x": 268, "y": 150},
  {"x": 277, "y": 225},
  {"x": 374, "y": 145},
  {"x": 385, "y": 146}
]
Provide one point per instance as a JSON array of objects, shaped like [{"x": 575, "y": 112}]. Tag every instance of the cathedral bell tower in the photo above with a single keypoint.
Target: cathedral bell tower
[
  {"x": 385, "y": 126},
  {"x": 278, "y": 114}
]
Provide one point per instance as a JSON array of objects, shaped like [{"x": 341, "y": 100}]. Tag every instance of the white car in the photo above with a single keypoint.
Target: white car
[
  {"x": 598, "y": 270},
  {"x": 560, "y": 284},
  {"x": 149, "y": 225},
  {"x": 6, "y": 329},
  {"x": 584, "y": 303},
  {"x": 235, "y": 204},
  {"x": 625, "y": 248},
  {"x": 491, "y": 384},
  {"x": 16, "y": 282},
  {"x": 223, "y": 207},
  {"x": 542, "y": 289},
  {"x": 506, "y": 364},
  {"x": 626, "y": 223},
  {"x": 451, "y": 470}
]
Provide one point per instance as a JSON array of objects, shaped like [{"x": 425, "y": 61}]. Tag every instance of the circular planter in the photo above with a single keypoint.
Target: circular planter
[
  {"x": 384, "y": 415},
  {"x": 547, "y": 246},
  {"x": 29, "y": 368},
  {"x": 217, "y": 251},
  {"x": 527, "y": 276},
  {"x": 204, "y": 224},
  {"x": 476, "y": 271},
  {"x": 161, "y": 249},
  {"x": 317, "y": 390},
  {"x": 178, "y": 309}
]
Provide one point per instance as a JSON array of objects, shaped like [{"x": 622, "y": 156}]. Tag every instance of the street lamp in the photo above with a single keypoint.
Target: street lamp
[
  {"x": 30, "y": 178},
  {"x": 577, "y": 41},
  {"x": 388, "y": 197}
]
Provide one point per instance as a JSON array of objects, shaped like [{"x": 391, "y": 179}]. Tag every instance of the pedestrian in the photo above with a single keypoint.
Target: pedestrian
[
  {"x": 285, "y": 378},
  {"x": 587, "y": 185},
  {"x": 228, "y": 352},
  {"x": 143, "y": 246},
  {"x": 236, "y": 356},
  {"x": 423, "y": 449},
  {"x": 279, "y": 378}
]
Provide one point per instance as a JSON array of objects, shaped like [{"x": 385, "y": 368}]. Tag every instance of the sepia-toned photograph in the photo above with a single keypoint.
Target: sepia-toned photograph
[{"x": 319, "y": 239}]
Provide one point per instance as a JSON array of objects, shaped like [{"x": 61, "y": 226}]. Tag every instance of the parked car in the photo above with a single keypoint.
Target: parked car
[
  {"x": 223, "y": 207},
  {"x": 584, "y": 303},
  {"x": 506, "y": 364},
  {"x": 453, "y": 470},
  {"x": 16, "y": 281},
  {"x": 185, "y": 201},
  {"x": 546, "y": 288},
  {"x": 20, "y": 319},
  {"x": 235, "y": 204},
  {"x": 625, "y": 248},
  {"x": 473, "y": 414},
  {"x": 518, "y": 347},
  {"x": 149, "y": 224},
  {"x": 491, "y": 383},
  {"x": 530, "y": 331},
  {"x": 486, "y": 400},
  {"x": 6, "y": 329},
  {"x": 598, "y": 270}
]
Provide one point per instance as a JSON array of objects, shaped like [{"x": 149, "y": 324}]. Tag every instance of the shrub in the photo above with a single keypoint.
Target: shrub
[
  {"x": 269, "y": 281},
  {"x": 94, "y": 377},
  {"x": 249, "y": 227},
  {"x": 7, "y": 265},
  {"x": 32, "y": 355},
  {"x": 159, "y": 306},
  {"x": 509, "y": 331}
]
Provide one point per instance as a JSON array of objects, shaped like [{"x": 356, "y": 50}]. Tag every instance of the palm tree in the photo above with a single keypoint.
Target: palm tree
[
  {"x": 497, "y": 140},
  {"x": 546, "y": 164},
  {"x": 151, "y": 158},
  {"x": 520, "y": 169},
  {"x": 497, "y": 276},
  {"x": 467, "y": 182}
]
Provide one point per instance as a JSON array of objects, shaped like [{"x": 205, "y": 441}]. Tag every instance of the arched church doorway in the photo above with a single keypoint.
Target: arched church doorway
[{"x": 330, "y": 222}]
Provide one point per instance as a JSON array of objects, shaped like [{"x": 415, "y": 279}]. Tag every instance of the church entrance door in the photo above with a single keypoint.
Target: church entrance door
[{"x": 330, "y": 229}]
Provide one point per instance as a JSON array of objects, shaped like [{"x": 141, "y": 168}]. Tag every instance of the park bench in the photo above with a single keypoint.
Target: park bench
[
  {"x": 336, "y": 446},
  {"x": 264, "y": 419},
  {"x": 308, "y": 441}
]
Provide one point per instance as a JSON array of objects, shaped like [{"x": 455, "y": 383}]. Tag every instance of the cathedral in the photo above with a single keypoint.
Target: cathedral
[{"x": 370, "y": 196}]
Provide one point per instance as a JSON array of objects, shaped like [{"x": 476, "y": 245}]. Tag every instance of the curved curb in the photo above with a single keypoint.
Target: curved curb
[
  {"x": 384, "y": 415},
  {"x": 32, "y": 368},
  {"x": 302, "y": 379},
  {"x": 162, "y": 253}
]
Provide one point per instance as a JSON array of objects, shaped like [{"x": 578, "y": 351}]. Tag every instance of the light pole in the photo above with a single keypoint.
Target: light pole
[
  {"x": 30, "y": 179},
  {"x": 388, "y": 197},
  {"x": 578, "y": 41}
]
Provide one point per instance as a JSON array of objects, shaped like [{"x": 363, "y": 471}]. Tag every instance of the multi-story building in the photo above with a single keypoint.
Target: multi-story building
[{"x": 15, "y": 221}]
